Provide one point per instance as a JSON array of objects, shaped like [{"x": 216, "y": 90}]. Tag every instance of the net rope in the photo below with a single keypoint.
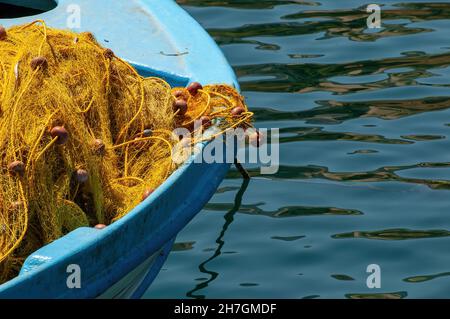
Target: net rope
[{"x": 83, "y": 137}]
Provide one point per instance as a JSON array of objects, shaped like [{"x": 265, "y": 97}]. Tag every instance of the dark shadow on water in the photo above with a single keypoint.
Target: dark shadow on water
[{"x": 229, "y": 218}]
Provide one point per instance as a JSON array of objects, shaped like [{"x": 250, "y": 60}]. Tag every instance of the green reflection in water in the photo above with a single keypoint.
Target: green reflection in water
[
  {"x": 426, "y": 277},
  {"x": 317, "y": 73},
  {"x": 394, "y": 234},
  {"x": 287, "y": 238},
  {"x": 342, "y": 277},
  {"x": 382, "y": 174},
  {"x": 386, "y": 295},
  {"x": 183, "y": 246}
]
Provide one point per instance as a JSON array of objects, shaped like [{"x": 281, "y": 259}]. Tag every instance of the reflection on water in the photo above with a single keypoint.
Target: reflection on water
[
  {"x": 381, "y": 174},
  {"x": 283, "y": 212},
  {"x": 183, "y": 246},
  {"x": 308, "y": 77},
  {"x": 342, "y": 277},
  {"x": 243, "y": 4},
  {"x": 391, "y": 295},
  {"x": 394, "y": 234},
  {"x": 229, "y": 217},
  {"x": 364, "y": 119},
  {"x": 335, "y": 112},
  {"x": 426, "y": 278},
  {"x": 288, "y": 238}
]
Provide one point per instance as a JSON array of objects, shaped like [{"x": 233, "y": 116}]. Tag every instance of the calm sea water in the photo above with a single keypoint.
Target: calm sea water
[{"x": 365, "y": 155}]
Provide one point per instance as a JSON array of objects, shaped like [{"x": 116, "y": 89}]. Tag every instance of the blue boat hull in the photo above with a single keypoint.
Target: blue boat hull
[
  {"x": 146, "y": 33},
  {"x": 136, "y": 283}
]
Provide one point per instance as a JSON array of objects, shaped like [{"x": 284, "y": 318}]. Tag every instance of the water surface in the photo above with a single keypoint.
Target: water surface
[{"x": 365, "y": 156}]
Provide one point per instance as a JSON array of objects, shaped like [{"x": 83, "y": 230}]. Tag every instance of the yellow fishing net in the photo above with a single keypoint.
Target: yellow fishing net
[{"x": 83, "y": 137}]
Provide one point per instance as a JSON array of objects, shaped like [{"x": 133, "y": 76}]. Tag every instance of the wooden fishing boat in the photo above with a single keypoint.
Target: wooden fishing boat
[{"x": 159, "y": 39}]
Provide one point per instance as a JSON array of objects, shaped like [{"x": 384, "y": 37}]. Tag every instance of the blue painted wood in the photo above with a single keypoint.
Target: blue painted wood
[
  {"x": 147, "y": 33},
  {"x": 148, "y": 279}
]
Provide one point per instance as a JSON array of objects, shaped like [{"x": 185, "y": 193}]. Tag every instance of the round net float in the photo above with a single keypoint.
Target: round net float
[
  {"x": 61, "y": 133},
  {"x": 3, "y": 33},
  {"x": 180, "y": 106},
  {"x": 82, "y": 176},
  {"x": 108, "y": 53},
  {"x": 16, "y": 168},
  {"x": 147, "y": 193},
  {"x": 88, "y": 36},
  {"x": 256, "y": 139},
  {"x": 39, "y": 62},
  {"x": 178, "y": 94},
  {"x": 100, "y": 226},
  {"x": 237, "y": 111},
  {"x": 99, "y": 147},
  {"x": 194, "y": 87}
]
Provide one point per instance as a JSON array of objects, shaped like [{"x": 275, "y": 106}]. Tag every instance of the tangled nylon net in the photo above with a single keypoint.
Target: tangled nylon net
[{"x": 83, "y": 137}]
